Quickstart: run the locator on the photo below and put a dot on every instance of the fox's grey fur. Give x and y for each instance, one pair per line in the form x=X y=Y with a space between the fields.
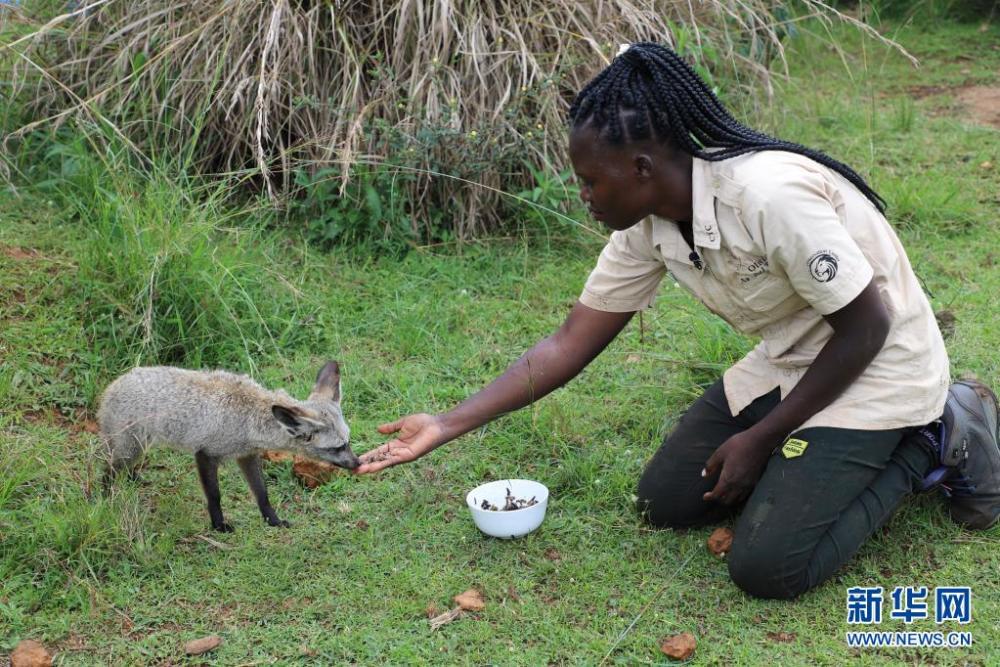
x=217 y=415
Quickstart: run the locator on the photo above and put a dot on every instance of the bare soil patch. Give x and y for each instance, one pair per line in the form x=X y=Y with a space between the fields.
x=19 y=253
x=982 y=103
x=922 y=92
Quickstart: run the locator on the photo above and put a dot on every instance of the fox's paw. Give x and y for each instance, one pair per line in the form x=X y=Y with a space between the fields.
x=278 y=523
x=224 y=527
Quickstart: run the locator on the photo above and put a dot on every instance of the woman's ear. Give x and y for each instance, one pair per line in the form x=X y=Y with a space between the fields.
x=643 y=164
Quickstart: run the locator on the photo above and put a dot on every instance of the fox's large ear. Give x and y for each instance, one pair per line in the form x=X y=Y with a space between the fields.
x=327 y=386
x=294 y=420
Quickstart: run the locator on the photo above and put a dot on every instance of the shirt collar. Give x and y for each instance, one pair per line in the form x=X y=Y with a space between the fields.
x=705 y=184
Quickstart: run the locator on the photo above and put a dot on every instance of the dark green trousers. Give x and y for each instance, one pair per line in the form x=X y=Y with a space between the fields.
x=807 y=515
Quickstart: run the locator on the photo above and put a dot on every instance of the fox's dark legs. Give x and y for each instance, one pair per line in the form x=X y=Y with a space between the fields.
x=208 y=472
x=115 y=468
x=250 y=465
x=123 y=454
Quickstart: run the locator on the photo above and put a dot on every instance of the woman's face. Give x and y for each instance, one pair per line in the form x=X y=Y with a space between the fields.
x=621 y=185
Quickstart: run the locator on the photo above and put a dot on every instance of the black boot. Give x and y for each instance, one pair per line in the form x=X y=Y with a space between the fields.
x=971 y=453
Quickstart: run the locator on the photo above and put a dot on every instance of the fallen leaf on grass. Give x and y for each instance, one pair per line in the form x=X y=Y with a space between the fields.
x=30 y=653
x=781 y=636
x=273 y=456
x=361 y=524
x=445 y=618
x=986 y=165
x=313 y=473
x=720 y=541
x=679 y=647
x=215 y=543
x=470 y=600
x=203 y=645
x=552 y=554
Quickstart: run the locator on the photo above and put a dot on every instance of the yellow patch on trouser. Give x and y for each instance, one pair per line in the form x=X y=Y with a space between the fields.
x=794 y=447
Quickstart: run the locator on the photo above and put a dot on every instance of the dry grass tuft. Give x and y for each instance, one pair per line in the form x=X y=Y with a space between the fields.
x=472 y=91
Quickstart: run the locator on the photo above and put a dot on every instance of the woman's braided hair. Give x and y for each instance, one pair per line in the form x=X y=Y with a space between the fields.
x=648 y=91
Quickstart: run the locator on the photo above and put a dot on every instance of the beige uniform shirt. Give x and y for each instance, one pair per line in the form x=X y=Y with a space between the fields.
x=780 y=241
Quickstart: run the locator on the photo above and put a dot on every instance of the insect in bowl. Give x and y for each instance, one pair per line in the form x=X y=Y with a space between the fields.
x=530 y=499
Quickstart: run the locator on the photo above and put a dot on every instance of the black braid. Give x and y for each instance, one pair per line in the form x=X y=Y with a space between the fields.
x=648 y=91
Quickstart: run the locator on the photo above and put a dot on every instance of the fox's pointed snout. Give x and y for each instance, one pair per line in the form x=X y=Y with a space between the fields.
x=342 y=457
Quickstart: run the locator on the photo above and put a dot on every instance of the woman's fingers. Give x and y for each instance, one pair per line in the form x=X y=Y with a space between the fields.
x=408 y=445
x=382 y=457
x=719 y=492
x=391 y=427
x=366 y=468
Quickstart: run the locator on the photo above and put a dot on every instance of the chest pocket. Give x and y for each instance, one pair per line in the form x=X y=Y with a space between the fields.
x=767 y=292
x=750 y=279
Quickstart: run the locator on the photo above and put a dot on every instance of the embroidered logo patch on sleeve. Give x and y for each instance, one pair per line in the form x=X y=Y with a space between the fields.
x=793 y=447
x=823 y=266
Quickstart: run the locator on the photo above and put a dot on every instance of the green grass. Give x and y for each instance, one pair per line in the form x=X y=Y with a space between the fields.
x=128 y=580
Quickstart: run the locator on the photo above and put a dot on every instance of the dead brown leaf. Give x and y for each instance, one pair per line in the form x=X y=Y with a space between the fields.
x=445 y=618
x=470 y=600
x=313 y=473
x=203 y=645
x=679 y=647
x=432 y=610
x=720 y=542
x=215 y=543
x=552 y=554
x=274 y=456
x=781 y=636
x=361 y=524
x=30 y=653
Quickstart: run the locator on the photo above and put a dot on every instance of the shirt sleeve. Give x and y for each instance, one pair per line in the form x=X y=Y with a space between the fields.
x=627 y=274
x=795 y=215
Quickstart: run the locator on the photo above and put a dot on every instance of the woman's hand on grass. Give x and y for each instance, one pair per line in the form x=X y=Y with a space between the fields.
x=417 y=434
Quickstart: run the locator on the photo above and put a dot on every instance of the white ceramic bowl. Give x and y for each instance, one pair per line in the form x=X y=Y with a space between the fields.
x=512 y=523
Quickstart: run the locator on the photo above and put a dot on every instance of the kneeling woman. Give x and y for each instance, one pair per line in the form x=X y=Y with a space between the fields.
x=844 y=407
